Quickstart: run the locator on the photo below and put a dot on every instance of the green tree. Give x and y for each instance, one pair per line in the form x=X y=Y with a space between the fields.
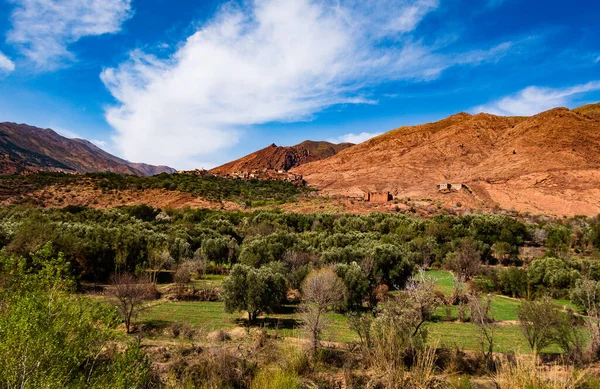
x=513 y=281
x=538 y=320
x=216 y=249
x=358 y=287
x=253 y=290
x=552 y=273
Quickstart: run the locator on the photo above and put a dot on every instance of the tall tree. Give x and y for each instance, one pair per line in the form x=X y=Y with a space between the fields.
x=321 y=290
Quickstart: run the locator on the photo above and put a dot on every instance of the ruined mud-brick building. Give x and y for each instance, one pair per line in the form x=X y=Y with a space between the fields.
x=449 y=187
x=374 y=197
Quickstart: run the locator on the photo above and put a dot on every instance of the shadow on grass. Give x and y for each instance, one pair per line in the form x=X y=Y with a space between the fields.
x=156 y=324
x=270 y=323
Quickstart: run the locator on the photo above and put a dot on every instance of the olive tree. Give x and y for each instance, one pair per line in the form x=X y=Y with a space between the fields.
x=538 y=320
x=586 y=295
x=466 y=261
x=255 y=291
x=158 y=259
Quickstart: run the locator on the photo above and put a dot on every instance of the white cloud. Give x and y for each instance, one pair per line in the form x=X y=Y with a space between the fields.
x=100 y=143
x=267 y=61
x=533 y=100
x=43 y=29
x=6 y=65
x=355 y=138
x=598 y=59
x=66 y=133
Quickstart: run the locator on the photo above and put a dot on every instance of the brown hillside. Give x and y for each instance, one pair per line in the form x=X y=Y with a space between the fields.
x=26 y=148
x=282 y=158
x=547 y=163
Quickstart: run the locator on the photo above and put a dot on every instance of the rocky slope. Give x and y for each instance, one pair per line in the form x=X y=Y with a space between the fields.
x=547 y=163
x=26 y=148
x=282 y=158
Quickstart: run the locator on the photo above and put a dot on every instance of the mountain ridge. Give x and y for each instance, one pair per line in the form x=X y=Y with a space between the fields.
x=546 y=163
x=281 y=158
x=25 y=148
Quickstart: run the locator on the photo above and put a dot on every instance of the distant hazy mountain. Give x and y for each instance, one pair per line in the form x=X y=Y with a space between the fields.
x=26 y=148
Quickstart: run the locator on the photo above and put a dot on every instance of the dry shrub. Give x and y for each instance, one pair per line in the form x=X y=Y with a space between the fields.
x=211 y=370
x=453 y=360
x=525 y=373
x=381 y=293
x=261 y=339
x=423 y=372
x=183 y=330
x=218 y=336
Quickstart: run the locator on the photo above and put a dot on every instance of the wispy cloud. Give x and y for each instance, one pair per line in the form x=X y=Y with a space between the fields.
x=100 y=143
x=264 y=61
x=43 y=29
x=6 y=65
x=598 y=59
x=533 y=100
x=66 y=133
x=355 y=138
x=73 y=135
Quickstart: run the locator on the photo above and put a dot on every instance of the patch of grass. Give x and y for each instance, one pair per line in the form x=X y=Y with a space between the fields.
x=445 y=281
x=209 y=281
x=507 y=338
x=210 y=316
x=288 y=324
x=566 y=303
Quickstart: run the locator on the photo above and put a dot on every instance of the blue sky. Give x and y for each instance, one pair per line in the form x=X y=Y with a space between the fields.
x=198 y=83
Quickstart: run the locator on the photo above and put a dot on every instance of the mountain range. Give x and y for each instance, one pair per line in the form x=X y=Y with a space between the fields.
x=547 y=163
x=25 y=148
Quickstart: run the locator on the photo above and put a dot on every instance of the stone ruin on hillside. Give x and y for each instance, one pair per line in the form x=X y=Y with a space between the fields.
x=449 y=187
x=374 y=197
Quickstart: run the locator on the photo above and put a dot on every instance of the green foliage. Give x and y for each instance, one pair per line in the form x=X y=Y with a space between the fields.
x=253 y=290
x=513 y=281
x=393 y=265
x=358 y=287
x=553 y=273
x=539 y=320
x=209 y=187
x=50 y=338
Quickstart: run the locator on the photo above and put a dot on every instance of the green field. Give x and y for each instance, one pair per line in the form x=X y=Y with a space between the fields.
x=211 y=316
x=208 y=316
x=445 y=281
x=503 y=309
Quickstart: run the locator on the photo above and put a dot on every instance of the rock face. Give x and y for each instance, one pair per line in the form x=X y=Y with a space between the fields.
x=548 y=163
x=281 y=158
x=25 y=148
